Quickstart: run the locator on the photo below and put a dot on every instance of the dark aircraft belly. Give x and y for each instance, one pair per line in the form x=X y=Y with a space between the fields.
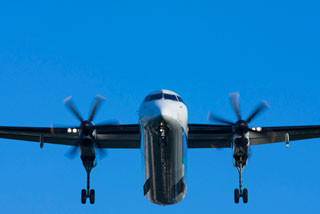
x=164 y=161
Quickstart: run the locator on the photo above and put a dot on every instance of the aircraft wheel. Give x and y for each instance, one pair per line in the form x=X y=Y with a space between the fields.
x=83 y=196
x=245 y=196
x=92 y=196
x=236 y=196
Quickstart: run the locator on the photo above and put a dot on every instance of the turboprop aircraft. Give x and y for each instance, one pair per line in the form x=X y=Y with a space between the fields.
x=165 y=134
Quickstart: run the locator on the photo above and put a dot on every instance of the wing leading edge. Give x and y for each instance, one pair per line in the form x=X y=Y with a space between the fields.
x=216 y=136
x=109 y=136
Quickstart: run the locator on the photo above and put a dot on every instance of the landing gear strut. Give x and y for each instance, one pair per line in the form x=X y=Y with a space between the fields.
x=240 y=192
x=88 y=193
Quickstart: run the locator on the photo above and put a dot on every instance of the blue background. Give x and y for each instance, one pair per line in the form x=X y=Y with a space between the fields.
x=203 y=50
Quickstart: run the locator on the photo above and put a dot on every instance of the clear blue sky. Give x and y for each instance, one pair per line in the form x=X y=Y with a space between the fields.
x=203 y=50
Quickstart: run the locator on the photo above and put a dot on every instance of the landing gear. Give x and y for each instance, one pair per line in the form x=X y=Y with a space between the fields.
x=245 y=196
x=88 y=163
x=236 y=196
x=92 y=196
x=83 y=196
x=88 y=193
x=238 y=193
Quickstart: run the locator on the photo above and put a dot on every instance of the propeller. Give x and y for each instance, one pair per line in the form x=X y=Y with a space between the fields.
x=234 y=97
x=87 y=127
x=241 y=126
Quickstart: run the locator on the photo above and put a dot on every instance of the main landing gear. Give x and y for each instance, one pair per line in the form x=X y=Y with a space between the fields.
x=240 y=192
x=88 y=193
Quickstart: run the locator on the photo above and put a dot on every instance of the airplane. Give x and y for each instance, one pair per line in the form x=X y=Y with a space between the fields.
x=165 y=135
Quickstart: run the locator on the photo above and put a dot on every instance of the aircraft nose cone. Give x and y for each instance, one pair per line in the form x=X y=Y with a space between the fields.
x=164 y=110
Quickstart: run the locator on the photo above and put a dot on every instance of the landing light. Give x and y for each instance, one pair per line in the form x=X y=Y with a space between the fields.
x=258 y=129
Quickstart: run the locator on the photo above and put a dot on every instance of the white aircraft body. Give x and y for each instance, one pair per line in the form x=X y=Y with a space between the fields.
x=164 y=126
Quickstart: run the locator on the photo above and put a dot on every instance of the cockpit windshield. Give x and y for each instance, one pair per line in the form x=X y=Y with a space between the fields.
x=170 y=97
x=180 y=99
x=154 y=97
x=163 y=95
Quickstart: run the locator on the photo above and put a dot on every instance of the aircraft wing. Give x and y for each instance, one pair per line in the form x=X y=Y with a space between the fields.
x=209 y=136
x=109 y=136
x=278 y=134
x=216 y=136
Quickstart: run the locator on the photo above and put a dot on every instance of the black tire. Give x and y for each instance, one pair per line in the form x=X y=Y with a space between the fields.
x=236 y=196
x=245 y=196
x=83 y=196
x=92 y=196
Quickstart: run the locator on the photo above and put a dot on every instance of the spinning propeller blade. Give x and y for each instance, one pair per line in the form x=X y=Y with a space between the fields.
x=234 y=98
x=257 y=111
x=102 y=153
x=214 y=118
x=72 y=108
x=72 y=153
x=96 y=105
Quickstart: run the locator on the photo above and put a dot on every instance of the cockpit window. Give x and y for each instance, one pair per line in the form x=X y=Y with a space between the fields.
x=180 y=99
x=170 y=97
x=165 y=96
x=154 y=97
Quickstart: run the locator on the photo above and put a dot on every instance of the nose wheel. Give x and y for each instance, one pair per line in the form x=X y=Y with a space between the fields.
x=88 y=193
x=240 y=193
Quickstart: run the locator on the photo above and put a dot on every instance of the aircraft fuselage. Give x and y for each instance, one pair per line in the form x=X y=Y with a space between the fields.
x=164 y=127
